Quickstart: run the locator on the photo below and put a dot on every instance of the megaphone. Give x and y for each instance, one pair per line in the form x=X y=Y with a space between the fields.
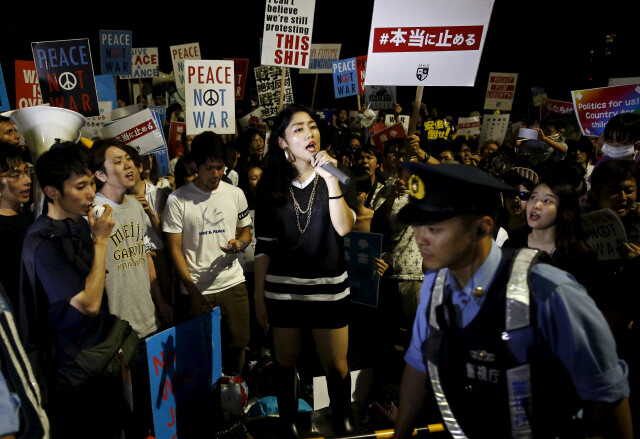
x=41 y=127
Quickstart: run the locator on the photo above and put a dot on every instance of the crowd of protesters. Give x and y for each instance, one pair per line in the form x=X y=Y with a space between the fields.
x=175 y=272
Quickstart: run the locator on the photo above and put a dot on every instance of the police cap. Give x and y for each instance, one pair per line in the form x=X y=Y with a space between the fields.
x=440 y=192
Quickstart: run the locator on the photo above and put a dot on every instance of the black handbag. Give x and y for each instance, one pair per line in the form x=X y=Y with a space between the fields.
x=102 y=359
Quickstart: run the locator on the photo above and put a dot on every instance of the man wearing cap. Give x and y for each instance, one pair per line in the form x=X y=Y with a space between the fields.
x=498 y=363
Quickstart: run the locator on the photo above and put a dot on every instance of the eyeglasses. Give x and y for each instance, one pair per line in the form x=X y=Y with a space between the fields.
x=523 y=195
x=18 y=174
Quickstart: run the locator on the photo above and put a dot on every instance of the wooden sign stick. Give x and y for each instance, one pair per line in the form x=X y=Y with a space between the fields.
x=413 y=122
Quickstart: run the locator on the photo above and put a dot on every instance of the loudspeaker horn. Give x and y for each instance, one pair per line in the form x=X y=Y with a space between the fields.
x=42 y=127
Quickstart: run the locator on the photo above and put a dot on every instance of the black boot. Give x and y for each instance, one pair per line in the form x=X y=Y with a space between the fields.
x=287 y=395
x=340 y=402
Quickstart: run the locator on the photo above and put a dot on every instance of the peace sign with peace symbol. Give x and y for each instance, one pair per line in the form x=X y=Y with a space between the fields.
x=68 y=81
x=210 y=97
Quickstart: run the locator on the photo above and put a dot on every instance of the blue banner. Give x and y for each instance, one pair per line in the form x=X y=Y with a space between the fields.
x=345 y=77
x=115 y=52
x=184 y=364
x=360 y=251
x=4 y=99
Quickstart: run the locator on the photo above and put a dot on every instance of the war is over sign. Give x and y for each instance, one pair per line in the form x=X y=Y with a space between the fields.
x=210 y=99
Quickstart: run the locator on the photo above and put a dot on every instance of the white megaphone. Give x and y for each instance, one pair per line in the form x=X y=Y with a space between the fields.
x=41 y=127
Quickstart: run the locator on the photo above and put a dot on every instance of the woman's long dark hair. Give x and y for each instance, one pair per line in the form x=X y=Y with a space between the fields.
x=570 y=236
x=278 y=172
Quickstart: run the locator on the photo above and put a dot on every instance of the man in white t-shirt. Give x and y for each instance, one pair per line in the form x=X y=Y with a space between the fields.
x=207 y=225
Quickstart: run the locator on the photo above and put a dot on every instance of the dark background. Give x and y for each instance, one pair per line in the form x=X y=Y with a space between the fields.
x=557 y=45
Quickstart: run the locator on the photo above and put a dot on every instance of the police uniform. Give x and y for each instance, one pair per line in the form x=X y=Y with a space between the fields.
x=505 y=357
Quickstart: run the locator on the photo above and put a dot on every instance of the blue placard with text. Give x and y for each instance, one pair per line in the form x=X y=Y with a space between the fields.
x=184 y=364
x=115 y=52
x=345 y=77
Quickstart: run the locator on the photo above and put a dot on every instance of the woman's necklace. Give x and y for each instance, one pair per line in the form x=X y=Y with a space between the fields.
x=299 y=210
x=530 y=245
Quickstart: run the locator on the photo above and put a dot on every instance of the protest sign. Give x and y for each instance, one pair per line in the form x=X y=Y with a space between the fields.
x=210 y=96
x=361 y=65
x=115 y=52
x=468 y=126
x=65 y=72
x=594 y=107
x=27 y=85
x=390 y=119
x=144 y=63
x=624 y=81
x=360 y=251
x=380 y=97
x=184 y=364
x=251 y=120
x=240 y=68
x=286 y=40
x=552 y=106
x=436 y=129
x=268 y=81
x=604 y=232
x=500 y=91
x=92 y=129
x=392 y=132
x=427 y=42
x=4 y=99
x=179 y=54
x=139 y=130
x=494 y=127
x=345 y=78
x=174 y=142
x=320 y=58
x=106 y=90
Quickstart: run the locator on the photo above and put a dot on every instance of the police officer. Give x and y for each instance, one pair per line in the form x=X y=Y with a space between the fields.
x=508 y=346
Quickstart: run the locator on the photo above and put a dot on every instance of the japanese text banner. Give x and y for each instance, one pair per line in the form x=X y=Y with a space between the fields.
x=427 y=42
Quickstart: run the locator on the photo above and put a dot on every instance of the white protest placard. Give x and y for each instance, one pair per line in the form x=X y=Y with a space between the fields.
x=286 y=40
x=251 y=119
x=500 y=91
x=390 y=120
x=139 y=130
x=468 y=126
x=178 y=55
x=210 y=98
x=92 y=129
x=494 y=127
x=144 y=63
x=268 y=81
x=321 y=57
x=604 y=231
x=427 y=42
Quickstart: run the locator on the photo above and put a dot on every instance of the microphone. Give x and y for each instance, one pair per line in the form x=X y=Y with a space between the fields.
x=337 y=173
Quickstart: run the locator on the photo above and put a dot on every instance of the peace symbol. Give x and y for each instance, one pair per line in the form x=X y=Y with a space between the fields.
x=346 y=77
x=67 y=81
x=210 y=97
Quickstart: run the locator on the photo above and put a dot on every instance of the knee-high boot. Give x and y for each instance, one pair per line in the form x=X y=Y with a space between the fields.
x=287 y=395
x=340 y=402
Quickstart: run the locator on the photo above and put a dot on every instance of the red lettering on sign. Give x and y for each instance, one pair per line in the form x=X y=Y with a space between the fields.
x=427 y=39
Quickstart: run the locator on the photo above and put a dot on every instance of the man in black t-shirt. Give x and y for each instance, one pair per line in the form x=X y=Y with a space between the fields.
x=64 y=260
